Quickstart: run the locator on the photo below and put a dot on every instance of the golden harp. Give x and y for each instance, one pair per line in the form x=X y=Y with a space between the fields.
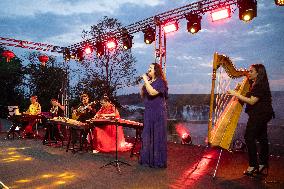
x=226 y=114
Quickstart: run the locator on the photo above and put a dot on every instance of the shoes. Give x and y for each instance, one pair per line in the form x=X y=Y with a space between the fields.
x=263 y=169
x=251 y=171
x=95 y=151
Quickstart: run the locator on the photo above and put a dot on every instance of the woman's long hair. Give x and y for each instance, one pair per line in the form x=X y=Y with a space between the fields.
x=158 y=71
x=261 y=79
x=261 y=73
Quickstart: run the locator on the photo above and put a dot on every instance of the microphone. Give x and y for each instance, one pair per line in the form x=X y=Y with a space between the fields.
x=140 y=78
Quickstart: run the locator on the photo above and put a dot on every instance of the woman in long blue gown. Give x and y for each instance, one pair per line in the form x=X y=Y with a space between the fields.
x=154 y=136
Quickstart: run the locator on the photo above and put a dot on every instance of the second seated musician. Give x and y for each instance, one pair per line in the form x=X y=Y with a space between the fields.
x=154 y=136
x=57 y=110
x=34 y=109
x=105 y=137
x=84 y=112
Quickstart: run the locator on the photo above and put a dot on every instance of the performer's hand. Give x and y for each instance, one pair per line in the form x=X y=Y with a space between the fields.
x=232 y=92
x=145 y=77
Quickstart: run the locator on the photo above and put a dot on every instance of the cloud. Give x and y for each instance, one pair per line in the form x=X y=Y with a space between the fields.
x=261 y=29
x=63 y=7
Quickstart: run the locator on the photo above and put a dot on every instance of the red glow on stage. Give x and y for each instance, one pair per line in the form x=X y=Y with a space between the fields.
x=195 y=172
x=221 y=14
x=170 y=27
x=181 y=130
x=111 y=44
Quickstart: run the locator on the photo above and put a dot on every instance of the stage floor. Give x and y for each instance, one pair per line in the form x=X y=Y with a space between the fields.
x=27 y=163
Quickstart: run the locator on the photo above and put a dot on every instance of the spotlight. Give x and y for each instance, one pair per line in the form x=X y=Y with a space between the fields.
x=247 y=9
x=100 y=49
x=127 y=41
x=149 y=35
x=111 y=44
x=66 y=54
x=221 y=14
x=170 y=27
x=88 y=49
x=79 y=55
x=194 y=23
x=186 y=139
x=279 y=2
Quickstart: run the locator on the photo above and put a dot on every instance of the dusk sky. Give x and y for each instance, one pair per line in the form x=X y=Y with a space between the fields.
x=189 y=57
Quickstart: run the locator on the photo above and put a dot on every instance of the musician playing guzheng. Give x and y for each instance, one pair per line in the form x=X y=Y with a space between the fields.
x=104 y=139
x=54 y=131
x=259 y=109
x=34 y=109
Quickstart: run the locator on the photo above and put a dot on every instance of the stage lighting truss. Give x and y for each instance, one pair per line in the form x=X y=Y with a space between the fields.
x=126 y=41
x=193 y=22
x=279 y=2
x=170 y=27
x=100 y=48
x=149 y=35
x=247 y=9
x=221 y=14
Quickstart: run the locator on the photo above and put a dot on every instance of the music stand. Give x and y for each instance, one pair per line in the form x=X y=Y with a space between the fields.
x=116 y=161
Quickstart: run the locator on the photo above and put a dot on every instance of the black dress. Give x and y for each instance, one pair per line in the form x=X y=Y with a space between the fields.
x=259 y=115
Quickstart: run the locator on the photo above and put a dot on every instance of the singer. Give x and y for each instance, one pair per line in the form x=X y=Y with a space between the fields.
x=154 y=136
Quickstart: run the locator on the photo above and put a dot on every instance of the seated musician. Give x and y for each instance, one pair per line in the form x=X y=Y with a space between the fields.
x=34 y=109
x=57 y=110
x=104 y=138
x=84 y=112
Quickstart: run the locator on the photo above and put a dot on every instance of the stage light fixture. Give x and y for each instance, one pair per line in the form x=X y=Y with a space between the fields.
x=79 y=55
x=170 y=27
x=111 y=44
x=279 y=2
x=247 y=9
x=100 y=49
x=88 y=49
x=127 y=41
x=66 y=54
x=221 y=14
x=194 y=23
x=149 y=35
x=186 y=139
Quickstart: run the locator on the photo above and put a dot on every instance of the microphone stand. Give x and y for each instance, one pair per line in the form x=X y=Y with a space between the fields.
x=116 y=162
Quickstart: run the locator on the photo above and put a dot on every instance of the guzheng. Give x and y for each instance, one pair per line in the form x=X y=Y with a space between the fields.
x=24 y=117
x=67 y=122
x=120 y=122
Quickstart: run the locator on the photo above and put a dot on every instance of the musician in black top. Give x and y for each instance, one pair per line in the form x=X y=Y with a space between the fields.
x=260 y=111
x=84 y=112
x=53 y=132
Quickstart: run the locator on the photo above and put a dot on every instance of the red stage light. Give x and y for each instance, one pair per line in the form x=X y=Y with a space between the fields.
x=170 y=27
x=88 y=50
x=111 y=44
x=221 y=14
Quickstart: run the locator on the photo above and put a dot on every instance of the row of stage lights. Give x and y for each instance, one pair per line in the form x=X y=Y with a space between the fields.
x=247 y=11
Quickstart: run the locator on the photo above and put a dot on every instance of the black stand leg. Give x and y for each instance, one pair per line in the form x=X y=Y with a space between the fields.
x=116 y=162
